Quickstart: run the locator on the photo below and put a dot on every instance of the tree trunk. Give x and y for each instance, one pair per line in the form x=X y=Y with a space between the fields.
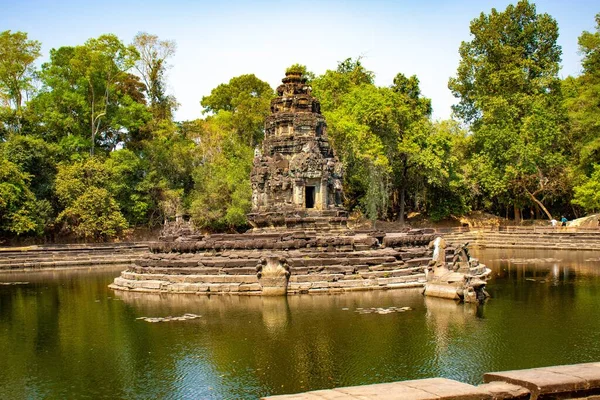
x=403 y=191
x=401 y=216
x=517 y=214
x=539 y=203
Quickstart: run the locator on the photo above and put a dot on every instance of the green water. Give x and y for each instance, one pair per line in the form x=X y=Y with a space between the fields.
x=66 y=335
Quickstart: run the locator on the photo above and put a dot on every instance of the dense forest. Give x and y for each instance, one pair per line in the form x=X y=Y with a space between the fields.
x=89 y=146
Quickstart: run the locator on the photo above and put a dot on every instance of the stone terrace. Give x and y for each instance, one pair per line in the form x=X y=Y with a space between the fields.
x=529 y=238
x=69 y=256
x=228 y=263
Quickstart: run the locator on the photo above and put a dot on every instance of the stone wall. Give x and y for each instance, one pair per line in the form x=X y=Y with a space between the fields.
x=579 y=381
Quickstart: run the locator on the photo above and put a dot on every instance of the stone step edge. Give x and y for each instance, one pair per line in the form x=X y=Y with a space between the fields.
x=59 y=264
x=159 y=286
x=577 y=381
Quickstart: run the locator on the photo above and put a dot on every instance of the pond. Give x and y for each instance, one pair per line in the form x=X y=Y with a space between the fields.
x=64 y=334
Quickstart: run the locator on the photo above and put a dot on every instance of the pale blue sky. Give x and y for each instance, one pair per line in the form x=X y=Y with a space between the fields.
x=219 y=40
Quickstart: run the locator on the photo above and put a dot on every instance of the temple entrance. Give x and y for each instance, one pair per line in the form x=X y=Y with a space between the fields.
x=309 y=197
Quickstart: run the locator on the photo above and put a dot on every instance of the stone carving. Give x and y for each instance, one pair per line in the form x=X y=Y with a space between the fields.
x=273 y=274
x=296 y=178
x=464 y=279
x=439 y=251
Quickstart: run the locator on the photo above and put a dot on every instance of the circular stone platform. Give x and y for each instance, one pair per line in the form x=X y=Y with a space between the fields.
x=279 y=263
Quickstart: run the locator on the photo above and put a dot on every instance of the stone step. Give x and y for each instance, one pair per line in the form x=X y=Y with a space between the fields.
x=88 y=257
x=66 y=263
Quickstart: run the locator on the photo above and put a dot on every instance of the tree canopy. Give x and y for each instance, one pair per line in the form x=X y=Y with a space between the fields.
x=509 y=93
x=89 y=145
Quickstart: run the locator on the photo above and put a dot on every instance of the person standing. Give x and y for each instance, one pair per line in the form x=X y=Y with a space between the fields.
x=563 y=221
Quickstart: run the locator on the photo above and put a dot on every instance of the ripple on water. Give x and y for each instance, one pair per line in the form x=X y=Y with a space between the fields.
x=56 y=341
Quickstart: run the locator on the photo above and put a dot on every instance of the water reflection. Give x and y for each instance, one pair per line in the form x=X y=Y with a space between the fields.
x=65 y=334
x=446 y=317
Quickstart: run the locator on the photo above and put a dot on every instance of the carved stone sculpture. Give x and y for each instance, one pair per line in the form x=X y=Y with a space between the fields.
x=464 y=279
x=273 y=274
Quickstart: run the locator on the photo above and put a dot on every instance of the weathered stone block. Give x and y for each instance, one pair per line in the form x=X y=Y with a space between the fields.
x=248 y=287
x=550 y=381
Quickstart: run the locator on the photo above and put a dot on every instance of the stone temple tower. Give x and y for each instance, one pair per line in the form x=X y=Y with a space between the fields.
x=296 y=178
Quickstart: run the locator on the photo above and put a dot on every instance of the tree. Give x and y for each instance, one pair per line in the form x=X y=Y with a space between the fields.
x=152 y=66
x=589 y=45
x=90 y=209
x=248 y=99
x=36 y=158
x=17 y=202
x=442 y=174
x=587 y=194
x=582 y=99
x=126 y=174
x=222 y=192
x=17 y=55
x=88 y=92
x=333 y=84
x=94 y=215
x=378 y=133
x=509 y=93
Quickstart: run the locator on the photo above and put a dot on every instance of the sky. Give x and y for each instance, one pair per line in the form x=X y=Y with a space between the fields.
x=219 y=40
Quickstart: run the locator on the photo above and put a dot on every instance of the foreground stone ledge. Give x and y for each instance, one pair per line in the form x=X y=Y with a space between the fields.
x=559 y=382
x=578 y=381
x=423 y=389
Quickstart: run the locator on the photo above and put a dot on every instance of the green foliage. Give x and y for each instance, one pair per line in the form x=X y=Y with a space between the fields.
x=582 y=101
x=248 y=99
x=169 y=162
x=17 y=55
x=331 y=86
x=90 y=209
x=442 y=165
x=94 y=215
x=587 y=195
x=509 y=91
x=589 y=45
x=87 y=92
x=301 y=69
x=152 y=66
x=17 y=201
x=222 y=195
x=35 y=157
x=127 y=172
x=386 y=141
x=296 y=69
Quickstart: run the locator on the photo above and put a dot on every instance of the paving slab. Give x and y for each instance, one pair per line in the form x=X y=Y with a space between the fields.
x=505 y=390
x=551 y=380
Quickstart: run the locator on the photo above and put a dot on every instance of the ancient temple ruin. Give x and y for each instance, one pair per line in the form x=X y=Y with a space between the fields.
x=300 y=242
x=296 y=178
